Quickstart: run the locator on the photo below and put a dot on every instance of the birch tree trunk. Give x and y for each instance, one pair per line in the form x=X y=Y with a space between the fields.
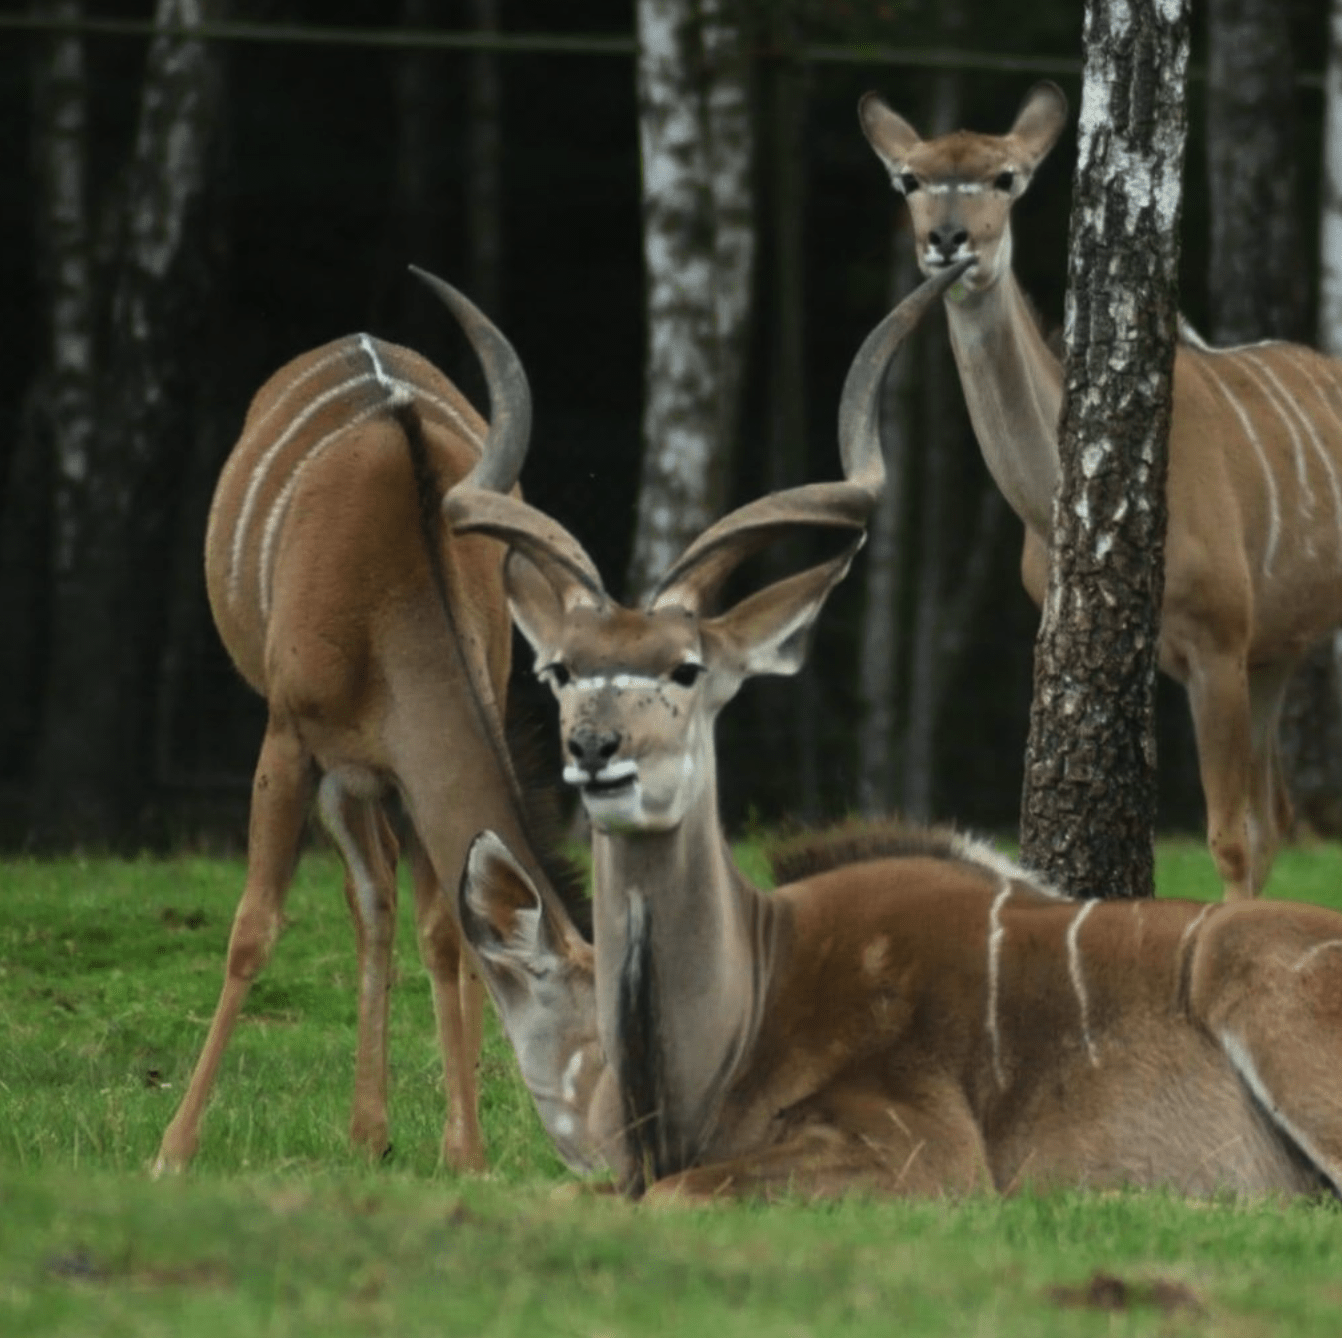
x=120 y=456
x=696 y=147
x=1088 y=810
x=46 y=496
x=1311 y=726
x=1257 y=283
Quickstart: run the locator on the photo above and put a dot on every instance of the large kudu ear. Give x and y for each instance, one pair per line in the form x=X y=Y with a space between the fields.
x=770 y=632
x=502 y=914
x=1040 y=120
x=888 y=133
x=697 y=575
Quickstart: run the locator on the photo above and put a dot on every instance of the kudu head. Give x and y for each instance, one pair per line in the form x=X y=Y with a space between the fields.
x=540 y=973
x=640 y=688
x=960 y=187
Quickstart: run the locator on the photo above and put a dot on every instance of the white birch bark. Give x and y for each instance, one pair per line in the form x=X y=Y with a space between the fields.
x=1330 y=221
x=696 y=148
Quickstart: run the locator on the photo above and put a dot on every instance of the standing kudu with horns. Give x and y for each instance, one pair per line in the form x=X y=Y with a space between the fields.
x=1253 y=553
x=381 y=643
x=913 y=1014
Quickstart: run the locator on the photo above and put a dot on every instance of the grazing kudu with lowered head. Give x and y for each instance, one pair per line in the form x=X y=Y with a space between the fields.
x=1253 y=554
x=382 y=644
x=935 y=1022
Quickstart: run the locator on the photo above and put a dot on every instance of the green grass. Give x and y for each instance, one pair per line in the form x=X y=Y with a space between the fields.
x=108 y=974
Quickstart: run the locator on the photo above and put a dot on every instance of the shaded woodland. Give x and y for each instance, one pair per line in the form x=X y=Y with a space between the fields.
x=322 y=170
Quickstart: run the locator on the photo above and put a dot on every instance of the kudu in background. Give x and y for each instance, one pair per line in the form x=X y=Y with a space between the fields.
x=1253 y=556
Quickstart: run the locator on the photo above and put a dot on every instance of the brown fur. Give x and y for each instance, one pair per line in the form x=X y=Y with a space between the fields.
x=382 y=645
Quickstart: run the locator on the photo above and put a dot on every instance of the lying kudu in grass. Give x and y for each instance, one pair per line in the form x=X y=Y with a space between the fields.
x=938 y=1022
x=381 y=644
x=933 y=1019
x=1253 y=554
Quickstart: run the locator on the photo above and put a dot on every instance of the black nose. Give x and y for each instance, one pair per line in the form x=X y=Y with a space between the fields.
x=592 y=748
x=948 y=240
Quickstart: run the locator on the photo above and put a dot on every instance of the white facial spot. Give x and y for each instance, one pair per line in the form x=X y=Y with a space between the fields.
x=569 y=1084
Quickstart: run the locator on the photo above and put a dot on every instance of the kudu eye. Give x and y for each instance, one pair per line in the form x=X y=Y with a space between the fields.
x=908 y=183
x=1004 y=181
x=557 y=672
x=686 y=675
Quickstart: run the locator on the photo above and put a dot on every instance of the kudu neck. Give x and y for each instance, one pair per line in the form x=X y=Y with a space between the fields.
x=1012 y=383
x=683 y=958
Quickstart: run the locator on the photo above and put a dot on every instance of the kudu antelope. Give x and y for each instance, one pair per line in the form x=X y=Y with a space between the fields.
x=1253 y=557
x=927 y=1018
x=382 y=645
x=937 y=1022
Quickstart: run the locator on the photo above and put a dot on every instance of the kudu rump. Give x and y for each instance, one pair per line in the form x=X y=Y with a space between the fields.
x=928 y=1023
x=381 y=644
x=1253 y=557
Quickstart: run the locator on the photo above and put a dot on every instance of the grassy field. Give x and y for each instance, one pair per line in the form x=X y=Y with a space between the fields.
x=108 y=973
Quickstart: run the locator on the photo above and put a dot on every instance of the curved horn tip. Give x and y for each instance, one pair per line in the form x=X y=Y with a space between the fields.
x=453 y=298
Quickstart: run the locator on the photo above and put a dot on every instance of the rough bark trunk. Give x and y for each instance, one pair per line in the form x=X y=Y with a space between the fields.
x=695 y=141
x=1257 y=283
x=118 y=479
x=1088 y=809
x=1311 y=724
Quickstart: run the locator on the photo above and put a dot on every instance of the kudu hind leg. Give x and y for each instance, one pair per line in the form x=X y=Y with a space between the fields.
x=1269 y=797
x=281 y=790
x=1266 y=981
x=458 y=1003
x=1218 y=696
x=364 y=838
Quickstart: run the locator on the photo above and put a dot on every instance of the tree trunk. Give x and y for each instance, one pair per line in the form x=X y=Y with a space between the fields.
x=45 y=497
x=695 y=139
x=1311 y=724
x=119 y=461
x=1088 y=810
x=878 y=663
x=1257 y=283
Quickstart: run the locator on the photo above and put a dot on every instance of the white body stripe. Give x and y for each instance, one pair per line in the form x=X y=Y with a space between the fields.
x=280 y=507
x=1314 y=952
x=263 y=466
x=1079 y=979
x=1269 y=480
x=1273 y=395
x=1191 y=927
x=396 y=392
x=996 y=933
x=1239 y=1056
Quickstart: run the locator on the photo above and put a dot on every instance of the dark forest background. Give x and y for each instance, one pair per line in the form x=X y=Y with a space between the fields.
x=310 y=223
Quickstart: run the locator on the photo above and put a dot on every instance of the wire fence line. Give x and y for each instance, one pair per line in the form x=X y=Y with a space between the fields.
x=561 y=44
x=581 y=44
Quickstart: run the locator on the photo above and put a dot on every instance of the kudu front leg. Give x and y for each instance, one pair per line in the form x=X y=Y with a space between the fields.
x=458 y=1003
x=363 y=836
x=281 y=791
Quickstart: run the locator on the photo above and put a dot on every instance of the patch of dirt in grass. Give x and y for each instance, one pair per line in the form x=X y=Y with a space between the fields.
x=1105 y=1291
x=81 y=1266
